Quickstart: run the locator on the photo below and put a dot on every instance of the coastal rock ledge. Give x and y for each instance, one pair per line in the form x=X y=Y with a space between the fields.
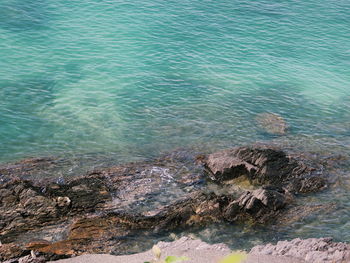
x=98 y=211
x=313 y=250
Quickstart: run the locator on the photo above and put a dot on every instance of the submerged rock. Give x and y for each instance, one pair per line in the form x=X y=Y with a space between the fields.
x=272 y=123
x=26 y=167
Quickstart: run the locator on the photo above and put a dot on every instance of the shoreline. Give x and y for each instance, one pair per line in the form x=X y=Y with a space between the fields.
x=89 y=214
x=312 y=250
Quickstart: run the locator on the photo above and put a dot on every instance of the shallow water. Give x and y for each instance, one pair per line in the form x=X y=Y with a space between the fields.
x=123 y=80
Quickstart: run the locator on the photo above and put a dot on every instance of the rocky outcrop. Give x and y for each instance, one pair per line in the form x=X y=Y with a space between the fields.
x=11 y=250
x=265 y=166
x=27 y=166
x=296 y=251
x=95 y=213
x=260 y=205
x=313 y=250
x=25 y=207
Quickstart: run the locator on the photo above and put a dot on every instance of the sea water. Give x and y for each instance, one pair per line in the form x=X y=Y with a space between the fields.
x=128 y=80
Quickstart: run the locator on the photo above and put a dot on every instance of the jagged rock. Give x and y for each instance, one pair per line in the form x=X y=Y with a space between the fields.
x=103 y=207
x=272 y=123
x=313 y=250
x=24 y=168
x=264 y=166
x=101 y=233
x=31 y=259
x=10 y=251
x=24 y=206
x=261 y=205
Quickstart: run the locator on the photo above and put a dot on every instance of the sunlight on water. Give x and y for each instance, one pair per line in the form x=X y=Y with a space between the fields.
x=122 y=80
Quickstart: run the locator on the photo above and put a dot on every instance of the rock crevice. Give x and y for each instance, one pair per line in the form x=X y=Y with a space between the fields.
x=101 y=209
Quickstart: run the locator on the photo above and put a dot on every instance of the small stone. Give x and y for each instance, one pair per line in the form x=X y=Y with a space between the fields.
x=63 y=201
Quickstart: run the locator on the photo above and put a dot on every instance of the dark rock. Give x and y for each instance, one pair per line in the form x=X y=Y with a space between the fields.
x=24 y=207
x=264 y=166
x=100 y=233
x=104 y=207
x=26 y=167
x=10 y=251
x=261 y=205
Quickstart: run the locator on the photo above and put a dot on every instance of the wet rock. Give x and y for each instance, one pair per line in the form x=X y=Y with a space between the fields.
x=25 y=207
x=264 y=166
x=147 y=186
x=272 y=123
x=10 y=251
x=102 y=233
x=26 y=167
x=22 y=208
x=32 y=206
x=271 y=199
x=36 y=244
x=313 y=250
x=106 y=206
x=297 y=213
x=261 y=205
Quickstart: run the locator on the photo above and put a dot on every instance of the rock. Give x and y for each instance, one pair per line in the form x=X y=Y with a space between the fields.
x=225 y=166
x=264 y=166
x=261 y=205
x=26 y=167
x=272 y=123
x=98 y=211
x=297 y=213
x=32 y=259
x=101 y=233
x=313 y=250
x=63 y=201
x=196 y=250
x=36 y=244
x=24 y=206
x=10 y=251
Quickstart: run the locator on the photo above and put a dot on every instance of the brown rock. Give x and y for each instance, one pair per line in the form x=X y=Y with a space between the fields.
x=264 y=166
x=96 y=212
x=34 y=245
x=11 y=250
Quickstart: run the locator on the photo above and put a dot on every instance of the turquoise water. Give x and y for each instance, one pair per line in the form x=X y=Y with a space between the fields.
x=131 y=79
x=136 y=78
